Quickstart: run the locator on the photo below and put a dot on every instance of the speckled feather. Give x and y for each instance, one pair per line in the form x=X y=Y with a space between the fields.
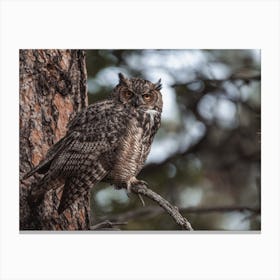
x=109 y=141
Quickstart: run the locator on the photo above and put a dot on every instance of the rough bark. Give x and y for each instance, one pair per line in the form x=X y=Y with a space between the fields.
x=52 y=91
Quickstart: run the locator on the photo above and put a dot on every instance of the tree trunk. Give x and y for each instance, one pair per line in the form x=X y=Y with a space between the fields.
x=52 y=91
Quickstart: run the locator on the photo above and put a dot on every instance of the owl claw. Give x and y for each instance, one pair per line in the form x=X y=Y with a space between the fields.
x=131 y=182
x=135 y=181
x=141 y=182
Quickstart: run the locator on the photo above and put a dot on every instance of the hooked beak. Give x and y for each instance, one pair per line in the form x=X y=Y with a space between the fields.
x=135 y=101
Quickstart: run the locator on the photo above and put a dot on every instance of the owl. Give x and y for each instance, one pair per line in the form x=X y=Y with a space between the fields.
x=108 y=141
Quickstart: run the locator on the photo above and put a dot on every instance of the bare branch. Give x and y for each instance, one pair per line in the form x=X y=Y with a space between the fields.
x=105 y=225
x=170 y=209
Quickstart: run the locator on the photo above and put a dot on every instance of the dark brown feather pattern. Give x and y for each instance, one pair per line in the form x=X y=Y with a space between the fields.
x=109 y=141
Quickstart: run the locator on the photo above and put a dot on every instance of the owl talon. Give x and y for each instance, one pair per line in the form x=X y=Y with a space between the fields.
x=141 y=199
x=128 y=189
x=141 y=182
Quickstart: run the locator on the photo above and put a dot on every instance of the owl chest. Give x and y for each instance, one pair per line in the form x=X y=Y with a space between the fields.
x=132 y=151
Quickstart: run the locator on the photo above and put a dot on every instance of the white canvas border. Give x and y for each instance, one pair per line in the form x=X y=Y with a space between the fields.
x=154 y=24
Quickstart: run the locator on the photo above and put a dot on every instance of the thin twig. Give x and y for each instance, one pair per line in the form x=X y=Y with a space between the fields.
x=198 y=210
x=170 y=209
x=107 y=225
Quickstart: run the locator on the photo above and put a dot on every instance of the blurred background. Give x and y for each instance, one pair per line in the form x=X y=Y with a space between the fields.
x=205 y=158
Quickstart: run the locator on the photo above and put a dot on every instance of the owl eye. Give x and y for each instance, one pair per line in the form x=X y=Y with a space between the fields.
x=128 y=94
x=147 y=97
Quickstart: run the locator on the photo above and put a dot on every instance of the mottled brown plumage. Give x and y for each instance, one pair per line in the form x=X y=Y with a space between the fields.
x=109 y=141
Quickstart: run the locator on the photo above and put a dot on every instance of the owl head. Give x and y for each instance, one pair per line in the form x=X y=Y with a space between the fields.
x=139 y=93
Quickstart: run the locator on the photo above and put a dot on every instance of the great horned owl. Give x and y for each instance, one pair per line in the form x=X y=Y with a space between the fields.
x=108 y=141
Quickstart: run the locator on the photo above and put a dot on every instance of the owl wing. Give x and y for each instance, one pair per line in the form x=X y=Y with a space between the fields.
x=93 y=133
x=79 y=166
x=63 y=143
x=85 y=161
x=97 y=132
x=81 y=157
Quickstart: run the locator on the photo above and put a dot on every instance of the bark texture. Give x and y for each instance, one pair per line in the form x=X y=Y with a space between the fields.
x=52 y=91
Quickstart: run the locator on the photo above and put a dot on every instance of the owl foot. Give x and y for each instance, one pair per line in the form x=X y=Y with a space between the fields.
x=141 y=182
x=134 y=181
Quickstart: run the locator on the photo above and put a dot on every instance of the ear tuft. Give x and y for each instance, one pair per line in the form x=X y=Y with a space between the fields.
x=122 y=79
x=158 y=85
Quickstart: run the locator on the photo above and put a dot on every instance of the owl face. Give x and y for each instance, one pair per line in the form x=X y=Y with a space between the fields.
x=139 y=93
